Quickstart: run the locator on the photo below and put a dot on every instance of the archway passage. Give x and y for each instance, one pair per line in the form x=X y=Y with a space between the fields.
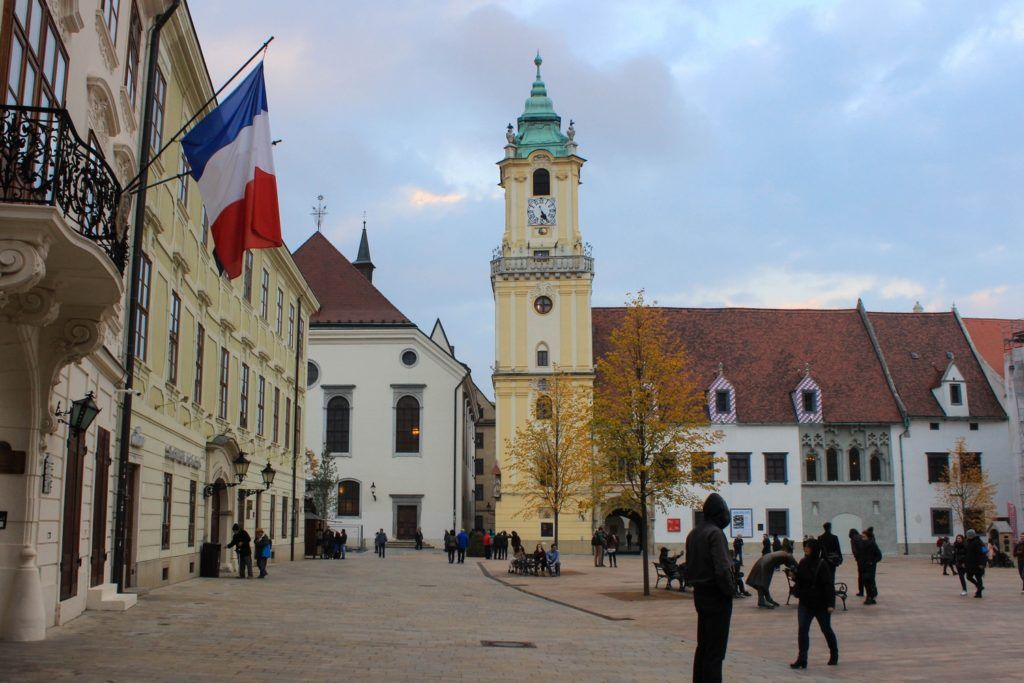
x=841 y=525
x=627 y=524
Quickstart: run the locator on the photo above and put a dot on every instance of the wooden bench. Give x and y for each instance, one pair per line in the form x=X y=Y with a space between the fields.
x=668 y=580
x=842 y=590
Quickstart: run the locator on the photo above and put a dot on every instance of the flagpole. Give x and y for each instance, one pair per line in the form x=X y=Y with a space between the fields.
x=130 y=187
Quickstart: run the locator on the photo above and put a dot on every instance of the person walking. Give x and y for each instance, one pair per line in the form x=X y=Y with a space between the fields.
x=766 y=545
x=488 y=542
x=419 y=538
x=449 y=545
x=262 y=543
x=828 y=544
x=814 y=587
x=867 y=562
x=337 y=545
x=946 y=556
x=629 y=541
x=959 y=562
x=763 y=571
x=240 y=541
x=462 y=542
x=709 y=572
x=612 y=549
x=737 y=550
x=1018 y=552
x=855 y=551
x=975 y=559
x=382 y=544
x=343 y=538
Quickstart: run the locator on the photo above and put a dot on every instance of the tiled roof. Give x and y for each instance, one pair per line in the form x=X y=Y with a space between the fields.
x=988 y=335
x=345 y=295
x=764 y=353
x=929 y=337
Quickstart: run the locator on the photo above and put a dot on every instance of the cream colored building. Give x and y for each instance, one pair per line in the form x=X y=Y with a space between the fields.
x=215 y=368
x=541 y=278
x=62 y=256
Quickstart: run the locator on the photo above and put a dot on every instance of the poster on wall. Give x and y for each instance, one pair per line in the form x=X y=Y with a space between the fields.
x=743 y=522
x=673 y=524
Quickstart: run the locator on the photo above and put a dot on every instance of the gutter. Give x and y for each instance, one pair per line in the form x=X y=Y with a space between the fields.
x=455 y=447
x=124 y=444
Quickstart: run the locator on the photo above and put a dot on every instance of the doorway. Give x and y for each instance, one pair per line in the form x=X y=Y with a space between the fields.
x=72 y=528
x=100 y=487
x=215 y=509
x=841 y=525
x=405 y=528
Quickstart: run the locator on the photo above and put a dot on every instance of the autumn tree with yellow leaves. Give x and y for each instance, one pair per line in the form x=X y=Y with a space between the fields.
x=966 y=489
x=551 y=456
x=651 y=429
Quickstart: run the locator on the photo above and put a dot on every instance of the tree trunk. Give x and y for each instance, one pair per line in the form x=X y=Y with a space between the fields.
x=556 y=526
x=644 y=541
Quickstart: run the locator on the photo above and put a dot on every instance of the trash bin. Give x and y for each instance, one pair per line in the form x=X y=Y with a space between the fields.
x=209 y=560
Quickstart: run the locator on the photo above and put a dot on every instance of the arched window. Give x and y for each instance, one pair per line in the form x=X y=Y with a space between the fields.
x=832 y=465
x=348 y=498
x=543 y=408
x=337 y=425
x=407 y=425
x=811 y=466
x=876 y=466
x=541 y=182
x=542 y=355
x=854 y=464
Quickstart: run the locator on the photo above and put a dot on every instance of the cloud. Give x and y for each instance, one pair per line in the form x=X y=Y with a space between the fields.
x=420 y=198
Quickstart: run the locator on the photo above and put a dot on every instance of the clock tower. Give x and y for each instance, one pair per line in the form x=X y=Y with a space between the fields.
x=541 y=277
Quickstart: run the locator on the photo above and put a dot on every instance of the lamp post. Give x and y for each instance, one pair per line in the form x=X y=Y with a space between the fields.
x=82 y=413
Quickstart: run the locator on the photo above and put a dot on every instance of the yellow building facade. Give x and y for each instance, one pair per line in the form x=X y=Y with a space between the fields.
x=541 y=277
x=215 y=371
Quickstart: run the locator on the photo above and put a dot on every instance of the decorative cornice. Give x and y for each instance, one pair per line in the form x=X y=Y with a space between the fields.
x=107 y=48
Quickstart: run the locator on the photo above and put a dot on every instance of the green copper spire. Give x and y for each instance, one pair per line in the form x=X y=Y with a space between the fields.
x=539 y=126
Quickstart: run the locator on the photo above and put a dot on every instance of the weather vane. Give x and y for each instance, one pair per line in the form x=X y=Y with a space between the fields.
x=319 y=211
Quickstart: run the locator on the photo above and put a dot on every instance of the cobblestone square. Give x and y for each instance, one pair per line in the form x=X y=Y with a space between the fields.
x=414 y=617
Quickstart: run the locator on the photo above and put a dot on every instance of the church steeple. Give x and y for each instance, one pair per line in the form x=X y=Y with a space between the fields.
x=363 y=263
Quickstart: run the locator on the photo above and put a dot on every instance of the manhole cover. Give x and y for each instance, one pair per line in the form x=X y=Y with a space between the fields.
x=506 y=643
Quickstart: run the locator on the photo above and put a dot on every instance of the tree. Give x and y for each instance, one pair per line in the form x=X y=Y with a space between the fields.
x=966 y=489
x=322 y=485
x=551 y=456
x=650 y=424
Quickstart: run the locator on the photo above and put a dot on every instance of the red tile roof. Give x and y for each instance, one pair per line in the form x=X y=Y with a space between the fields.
x=988 y=335
x=764 y=353
x=346 y=296
x=930 y=336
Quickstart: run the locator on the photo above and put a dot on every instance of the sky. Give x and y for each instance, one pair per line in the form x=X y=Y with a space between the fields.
x=797 y=153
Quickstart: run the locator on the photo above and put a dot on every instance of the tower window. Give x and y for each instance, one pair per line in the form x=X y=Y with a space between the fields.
x=956 y=396
x=541 y=182
x=542 y=304
x=542 y=356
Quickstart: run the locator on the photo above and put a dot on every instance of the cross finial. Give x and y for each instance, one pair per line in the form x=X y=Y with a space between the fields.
x=538 y=61
x=319 y=211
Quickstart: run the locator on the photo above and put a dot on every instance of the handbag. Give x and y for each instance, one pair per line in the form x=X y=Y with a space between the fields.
x=266 y=550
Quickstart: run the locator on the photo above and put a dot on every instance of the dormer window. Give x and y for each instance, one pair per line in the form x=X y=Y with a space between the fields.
x=956 y=395
x=721 y=401
x=541 y=182
x=810 y=401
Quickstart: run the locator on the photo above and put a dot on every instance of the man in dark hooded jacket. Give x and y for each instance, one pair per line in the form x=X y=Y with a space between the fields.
x=828 y=542
x=709 y=571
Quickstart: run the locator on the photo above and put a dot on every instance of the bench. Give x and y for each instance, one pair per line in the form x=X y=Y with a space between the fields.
x=531 y=566
x=660 y=572
x=842 y=590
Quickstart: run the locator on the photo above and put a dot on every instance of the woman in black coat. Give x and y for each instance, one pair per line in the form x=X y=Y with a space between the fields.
x=855 y=551
x=869 y=555
x=813 y=586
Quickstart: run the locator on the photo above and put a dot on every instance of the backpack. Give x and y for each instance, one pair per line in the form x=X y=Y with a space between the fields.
x=266 y=550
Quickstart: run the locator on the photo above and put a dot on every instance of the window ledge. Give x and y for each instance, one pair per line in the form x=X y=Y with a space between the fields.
x=407 y=455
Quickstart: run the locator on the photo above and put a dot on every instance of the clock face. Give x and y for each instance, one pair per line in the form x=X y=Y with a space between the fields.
x=541 y=210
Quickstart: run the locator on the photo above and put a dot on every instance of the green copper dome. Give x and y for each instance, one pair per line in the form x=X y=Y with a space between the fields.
x=539 y=126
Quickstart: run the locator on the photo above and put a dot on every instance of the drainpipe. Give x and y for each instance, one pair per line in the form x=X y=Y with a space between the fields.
x=296 y=431
x=455 y=450
x=903 y=488
x=120 y=512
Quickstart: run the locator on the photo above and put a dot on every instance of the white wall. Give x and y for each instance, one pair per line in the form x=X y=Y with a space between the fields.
x=369 y=361
x=991 y=440
x=757 y=495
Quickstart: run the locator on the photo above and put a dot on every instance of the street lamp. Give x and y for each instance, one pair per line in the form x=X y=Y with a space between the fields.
x=268 y=473
x=241 y=464
x=373 y=490
x=82 y=413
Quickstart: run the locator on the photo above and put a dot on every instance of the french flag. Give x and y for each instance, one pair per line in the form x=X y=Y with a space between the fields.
x=230 y=155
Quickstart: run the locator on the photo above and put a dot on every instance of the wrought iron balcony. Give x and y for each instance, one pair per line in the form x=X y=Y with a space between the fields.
x=538 y=265
x=44 y=161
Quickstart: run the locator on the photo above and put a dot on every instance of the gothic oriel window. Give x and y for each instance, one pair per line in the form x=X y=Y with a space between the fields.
x=854 y=464
x=541 y=182
x=875 y=466
x=832 y=465
x=407 y=425
x=811 y=466
x=337 y=425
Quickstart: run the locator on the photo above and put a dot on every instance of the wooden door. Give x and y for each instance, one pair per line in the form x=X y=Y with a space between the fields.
x=72 y=527
x=131 y=486
x=406 y=526
x=99 y=507
x=215 y=514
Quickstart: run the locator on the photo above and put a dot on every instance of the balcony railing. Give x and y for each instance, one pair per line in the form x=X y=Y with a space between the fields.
x=44 y=161
x=528 y=265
